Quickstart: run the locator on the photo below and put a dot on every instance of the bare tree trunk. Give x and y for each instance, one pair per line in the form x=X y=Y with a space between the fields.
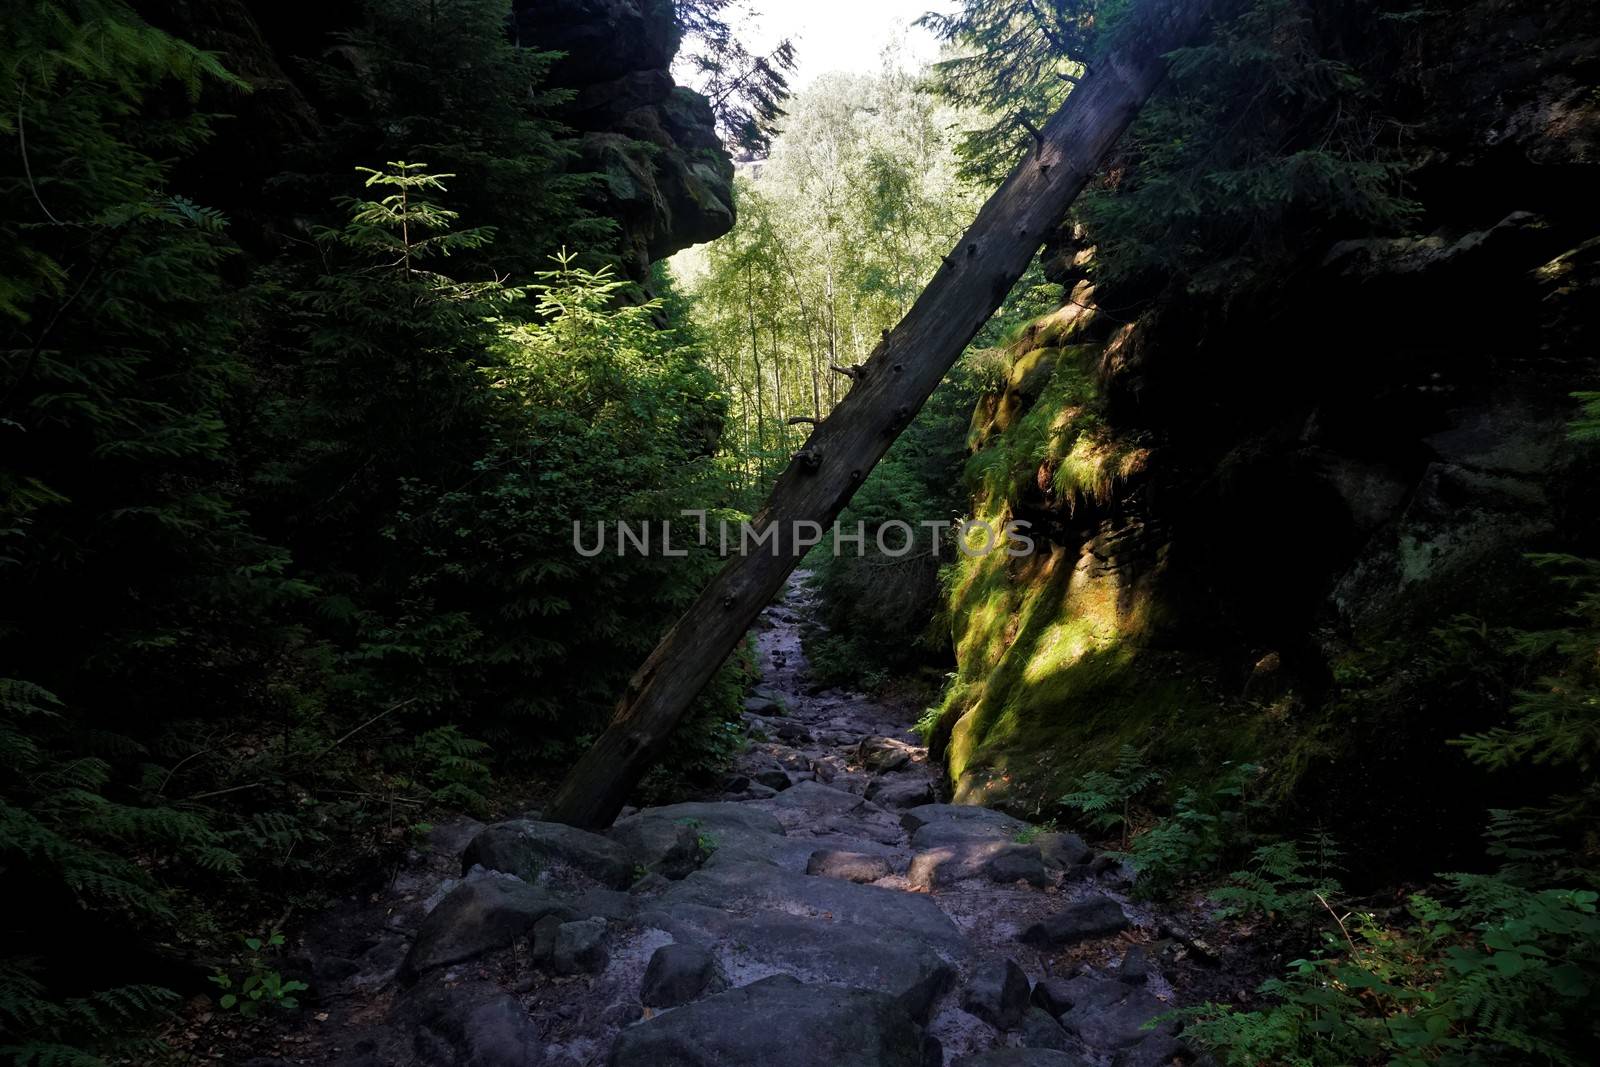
x=755 y=356
x=897 y=380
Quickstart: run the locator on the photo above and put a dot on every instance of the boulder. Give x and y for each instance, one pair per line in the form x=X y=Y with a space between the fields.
x=791 y=731
x=902 y=792
x=1002 y=824
x=850 y=866
x=580 y=947
x=776 y=779
x=1017 y=863
x=944 y=834
x=658 y=837
x=824 y=951
x=1158 y=1050
x=1062 y=851
x=527 y=849
x=486 y=1028
x=778 y=1022
x=1054 y=995
x=998 y=860
x=1111 y=1015
x=1040 y=1030
x=816 y=801
x=479 y=916
x=658 y=846
x=998 y=994
x=678 y=974
x=1094 y=917
x=1135 y=968
x=761 y=886
x=883 y=755
x=543 y=939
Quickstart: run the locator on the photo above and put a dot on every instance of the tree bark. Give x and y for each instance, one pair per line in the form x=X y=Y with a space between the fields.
x=898 y=378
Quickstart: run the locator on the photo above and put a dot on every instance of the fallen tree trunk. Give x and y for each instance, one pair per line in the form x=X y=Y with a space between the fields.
x=887 y=392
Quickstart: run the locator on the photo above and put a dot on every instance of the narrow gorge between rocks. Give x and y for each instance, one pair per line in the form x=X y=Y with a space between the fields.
x=823 y=908
x=750 y=533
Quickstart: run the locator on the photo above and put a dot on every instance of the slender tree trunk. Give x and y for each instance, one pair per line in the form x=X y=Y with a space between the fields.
x=898 y=378
x=833 y=339
x=755 y=357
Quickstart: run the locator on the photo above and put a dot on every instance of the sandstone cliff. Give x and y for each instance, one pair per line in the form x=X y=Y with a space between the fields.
x=1261 y=505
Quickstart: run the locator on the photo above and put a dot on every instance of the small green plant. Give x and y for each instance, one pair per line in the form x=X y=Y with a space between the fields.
x=1030 y=833
x=1501 y=975
x=1105 y=798
x=261 y=986
x=1206 y=825
x=1284 y=881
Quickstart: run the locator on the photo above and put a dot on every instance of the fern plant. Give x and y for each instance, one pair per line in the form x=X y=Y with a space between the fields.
x=1105 y=798
x=1284 y=881
x=1206 y=824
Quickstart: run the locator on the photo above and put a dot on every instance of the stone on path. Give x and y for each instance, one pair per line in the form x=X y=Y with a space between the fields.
x=580 y=947
x=1063 y=851
x=1110 y=1015
x=1053 y=994
x=480 y=916
x=678 y=974
x=669 y=839
x=752 y=884
x=827 y=952
x=883 y=754
x=778 y=1022
x=1022 y=1057
x=775 y=778
x=998 y=860
x=849 y=866
x=1094 y=917
x=997 y=993
x=527 y=848
x=485 y=1027
x=1135 y=968
x=813 y=800
x=1040 y=1030
x=1002 y=824
x=903 y=792
x=659 y=846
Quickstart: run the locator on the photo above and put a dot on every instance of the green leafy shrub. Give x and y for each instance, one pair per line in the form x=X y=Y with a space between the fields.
x=1499 y=974
x=260 y=985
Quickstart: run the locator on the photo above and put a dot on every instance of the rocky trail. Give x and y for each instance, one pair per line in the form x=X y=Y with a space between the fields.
x=824 y=910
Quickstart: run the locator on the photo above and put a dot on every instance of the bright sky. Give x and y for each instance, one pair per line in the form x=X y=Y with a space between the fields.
x=845 y=35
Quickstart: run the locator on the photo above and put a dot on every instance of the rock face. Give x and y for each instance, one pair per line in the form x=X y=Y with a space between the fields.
x=664 y=173
x=778 y=1022
x=1284 y=534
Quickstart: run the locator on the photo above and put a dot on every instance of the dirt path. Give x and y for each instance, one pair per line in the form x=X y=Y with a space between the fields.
x=823 y=910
